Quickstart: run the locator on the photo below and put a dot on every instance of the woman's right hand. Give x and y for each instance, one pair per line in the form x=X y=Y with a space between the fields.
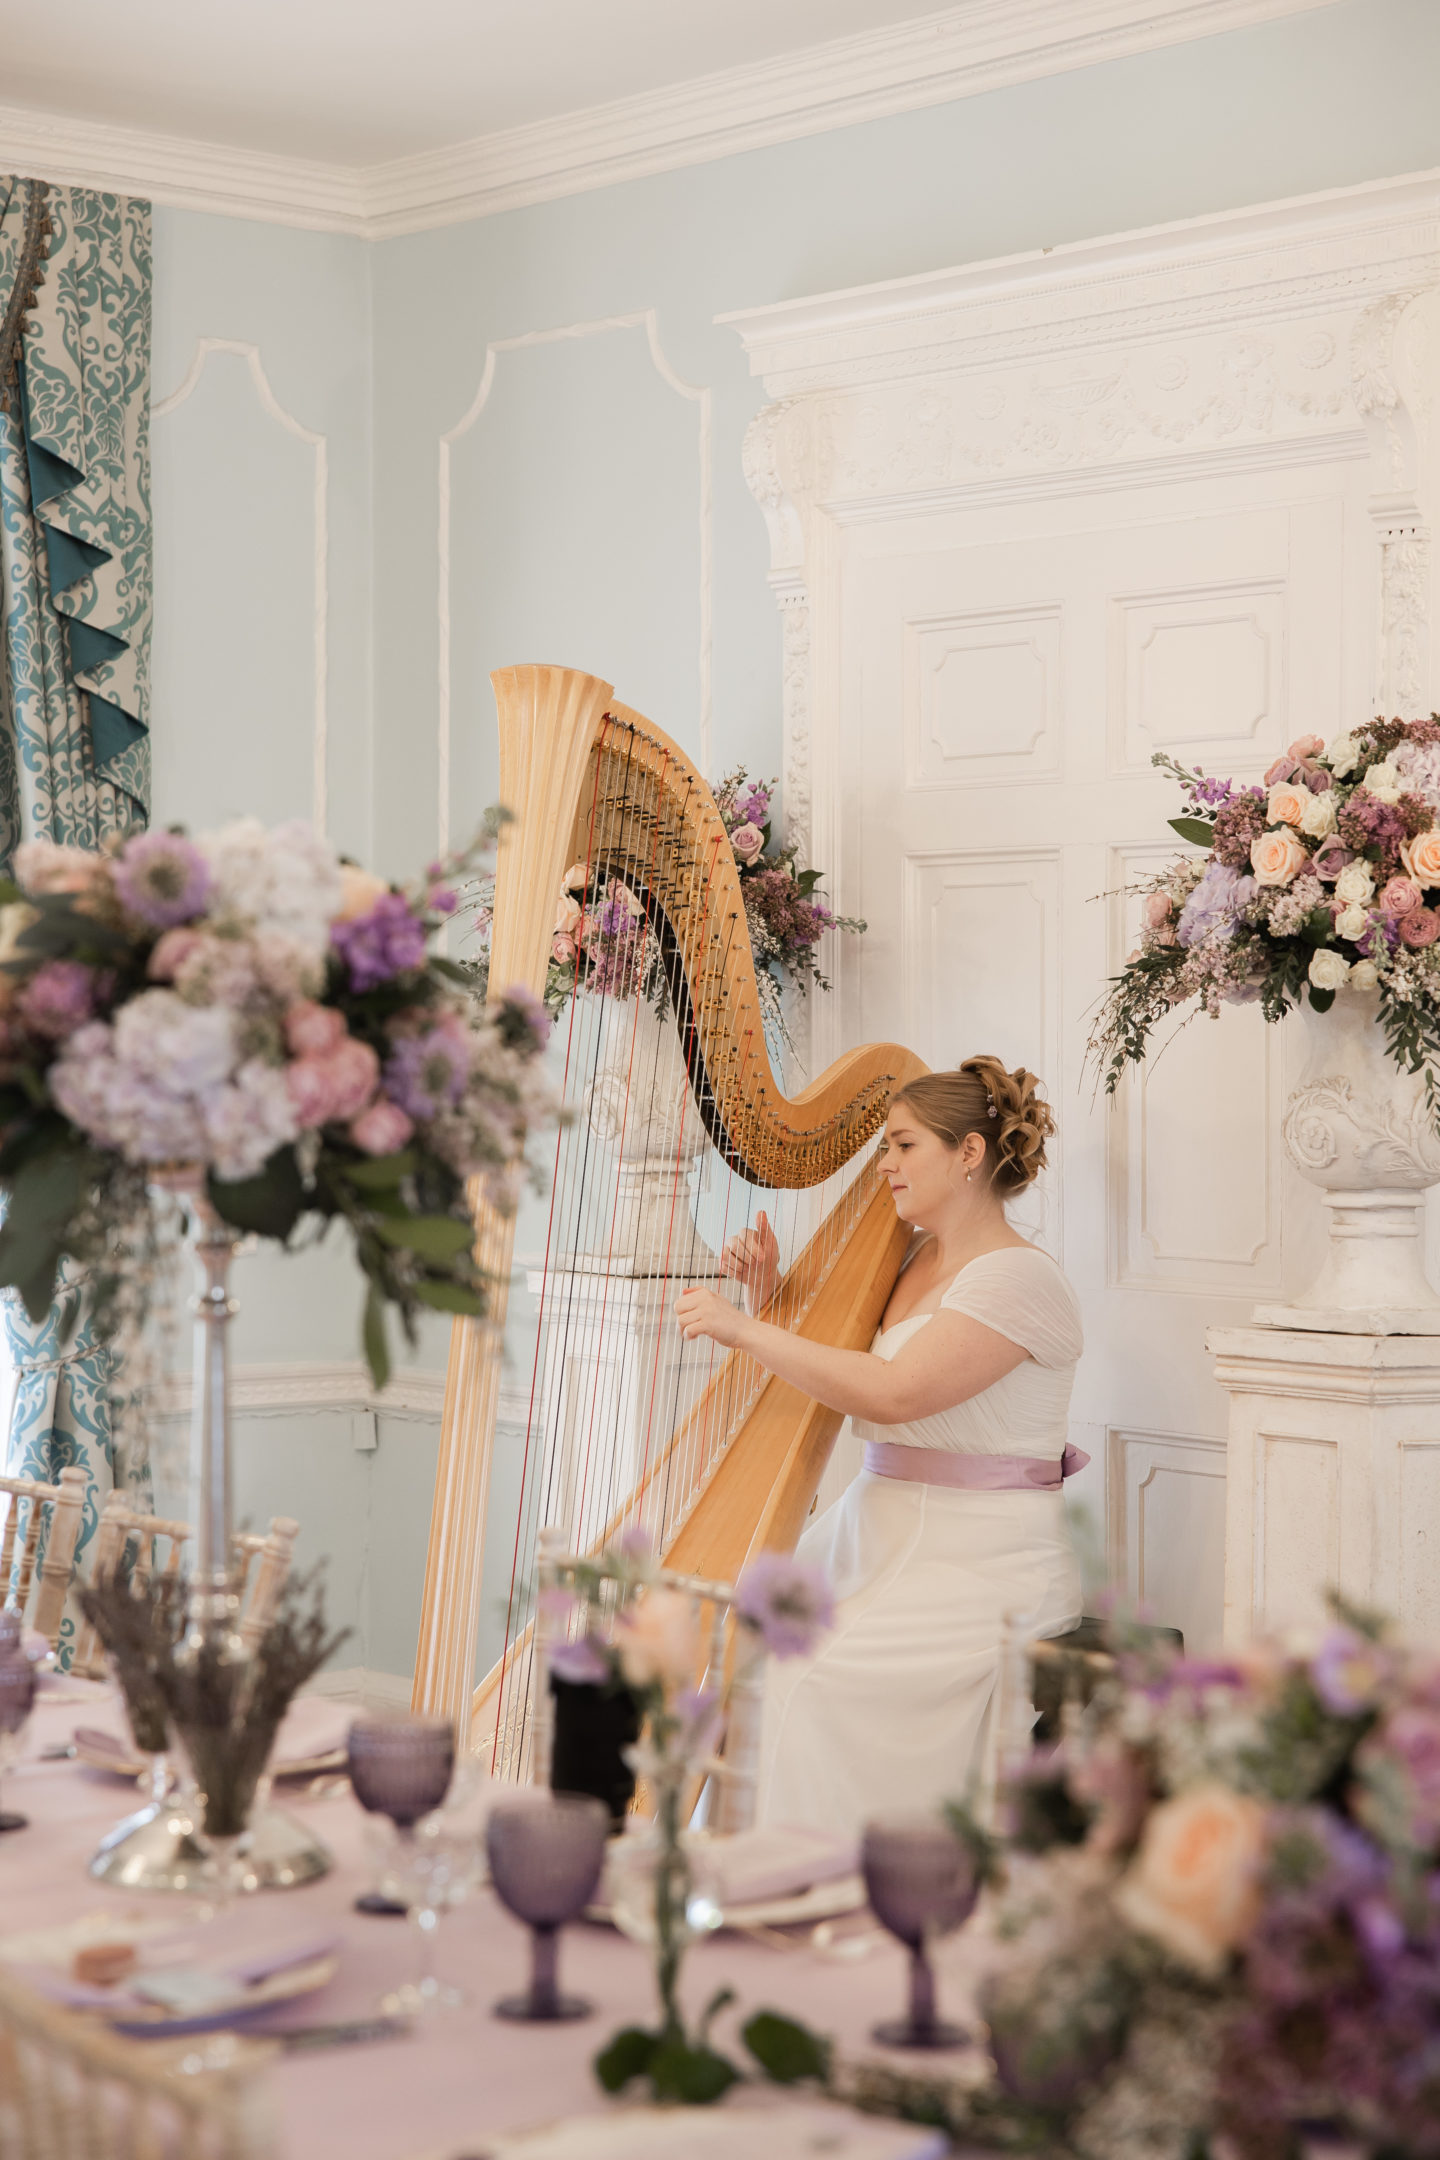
x=752 y=1257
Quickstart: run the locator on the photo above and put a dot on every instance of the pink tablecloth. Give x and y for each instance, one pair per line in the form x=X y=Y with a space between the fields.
x=461 y=2074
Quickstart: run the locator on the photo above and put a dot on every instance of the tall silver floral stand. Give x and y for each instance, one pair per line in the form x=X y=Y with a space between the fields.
x=1333 y=1470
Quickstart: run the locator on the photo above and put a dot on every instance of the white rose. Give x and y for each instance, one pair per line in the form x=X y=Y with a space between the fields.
x=1328 y=971
x=1341 y=755
x=1351 y=922
x=1354 y=883
x=1364 y=975
x=1383 y=782
x=1319 y=818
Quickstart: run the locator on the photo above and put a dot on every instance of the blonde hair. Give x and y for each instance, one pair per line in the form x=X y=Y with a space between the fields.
x=1005 y=1108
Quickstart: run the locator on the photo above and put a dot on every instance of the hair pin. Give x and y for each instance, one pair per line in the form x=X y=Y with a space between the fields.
x=990 y=1110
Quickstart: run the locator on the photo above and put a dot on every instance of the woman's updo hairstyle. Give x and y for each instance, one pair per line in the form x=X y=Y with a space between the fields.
x=1005 y=1108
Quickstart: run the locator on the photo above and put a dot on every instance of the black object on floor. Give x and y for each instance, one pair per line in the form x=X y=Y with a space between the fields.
x=594 y=1724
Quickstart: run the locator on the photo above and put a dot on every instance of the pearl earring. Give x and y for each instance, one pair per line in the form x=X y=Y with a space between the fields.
x=967 y=1177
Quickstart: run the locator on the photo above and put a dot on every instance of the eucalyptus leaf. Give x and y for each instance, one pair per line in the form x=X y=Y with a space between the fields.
x=380 y=1171
x=268 y=1204
x=1194 y=828
x=628 y=2055
x=784 y=2050
x=696 y=2075
x=1321 y=1000
x=434 y=1237
x=377 y=1347
x=450 y=1297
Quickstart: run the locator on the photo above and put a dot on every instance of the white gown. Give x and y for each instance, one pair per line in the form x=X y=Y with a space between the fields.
x=890 y=1715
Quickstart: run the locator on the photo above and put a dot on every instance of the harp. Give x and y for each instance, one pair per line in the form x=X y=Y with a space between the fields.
x=671 y=1086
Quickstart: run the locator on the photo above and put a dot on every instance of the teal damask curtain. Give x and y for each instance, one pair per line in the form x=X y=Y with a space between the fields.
x=75 y=605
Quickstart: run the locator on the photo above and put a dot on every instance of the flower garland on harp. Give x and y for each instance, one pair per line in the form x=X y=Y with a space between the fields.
x=603 y=944
x=1325 y=877
x=250 y=1006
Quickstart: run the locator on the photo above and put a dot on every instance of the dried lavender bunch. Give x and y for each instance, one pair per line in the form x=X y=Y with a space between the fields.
x=227 y=1709
x=139 y=1623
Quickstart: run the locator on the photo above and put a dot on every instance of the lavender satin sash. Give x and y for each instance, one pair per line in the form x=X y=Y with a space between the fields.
x=972 y=1473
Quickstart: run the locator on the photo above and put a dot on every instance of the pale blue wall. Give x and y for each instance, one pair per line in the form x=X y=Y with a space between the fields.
x=574 y=533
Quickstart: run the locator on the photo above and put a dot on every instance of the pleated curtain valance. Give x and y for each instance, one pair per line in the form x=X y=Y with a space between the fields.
x=75 y=607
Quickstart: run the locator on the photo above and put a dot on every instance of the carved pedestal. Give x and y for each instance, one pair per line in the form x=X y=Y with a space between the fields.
x=1333 y=1475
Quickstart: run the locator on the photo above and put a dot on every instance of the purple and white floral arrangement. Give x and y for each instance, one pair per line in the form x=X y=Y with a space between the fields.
x=248 y=1004
x=1326 y=877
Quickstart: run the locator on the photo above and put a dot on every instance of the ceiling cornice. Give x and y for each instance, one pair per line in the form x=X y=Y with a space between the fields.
x=978 y=46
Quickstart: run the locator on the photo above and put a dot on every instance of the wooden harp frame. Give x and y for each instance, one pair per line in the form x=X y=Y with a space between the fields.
x=557 y=726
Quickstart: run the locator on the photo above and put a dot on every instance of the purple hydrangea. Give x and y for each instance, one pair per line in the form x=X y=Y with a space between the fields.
x=787 y=1603
x=1215 y=905
x=162 y=879
x=378 y=946
x=427 y=1073
x=58 y=998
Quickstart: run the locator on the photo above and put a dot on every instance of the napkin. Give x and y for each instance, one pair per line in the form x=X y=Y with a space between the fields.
x=781 y=2130
x=780 y=1861
x=189 y=1973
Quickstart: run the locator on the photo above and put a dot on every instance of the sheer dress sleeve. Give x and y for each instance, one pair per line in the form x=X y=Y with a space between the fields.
x=1022 y=1295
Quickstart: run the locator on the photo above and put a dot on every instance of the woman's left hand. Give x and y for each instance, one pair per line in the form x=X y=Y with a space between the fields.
x=701 y=1312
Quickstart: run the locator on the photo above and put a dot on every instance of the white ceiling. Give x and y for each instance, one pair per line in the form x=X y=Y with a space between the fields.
x=355 y=82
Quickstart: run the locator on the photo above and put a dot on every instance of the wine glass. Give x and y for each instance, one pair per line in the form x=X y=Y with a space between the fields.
x=546 y=1858
x=17 y=1693
x=400 y=1767
x=441 y=1862
x=922 y=1883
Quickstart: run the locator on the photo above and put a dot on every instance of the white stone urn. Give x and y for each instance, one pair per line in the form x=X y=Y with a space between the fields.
x=641 y=1106
x=1361 y=1129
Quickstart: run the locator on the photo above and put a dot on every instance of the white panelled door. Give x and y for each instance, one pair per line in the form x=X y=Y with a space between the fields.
x=1005 y=674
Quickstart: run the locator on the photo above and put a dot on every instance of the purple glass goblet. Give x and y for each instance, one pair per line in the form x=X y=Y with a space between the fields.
x=17 y=1693
x=400 y=1767
x=546 y=1858
x=921 y=1883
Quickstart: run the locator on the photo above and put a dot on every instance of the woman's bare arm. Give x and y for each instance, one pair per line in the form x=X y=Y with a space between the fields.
x=944 y=1363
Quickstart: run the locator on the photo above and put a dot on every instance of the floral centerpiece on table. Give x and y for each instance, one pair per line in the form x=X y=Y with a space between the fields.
x=247 y=1003
x=780 y=1606
x=603 y=943
x=1327 y=875
x=1222 y=1924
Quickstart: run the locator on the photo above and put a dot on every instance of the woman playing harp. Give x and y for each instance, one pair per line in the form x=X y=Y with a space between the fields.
x=956 y=1519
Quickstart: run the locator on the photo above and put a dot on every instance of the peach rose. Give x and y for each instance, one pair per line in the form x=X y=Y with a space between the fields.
x=311 y=1030
x=659 y=1641
x=1194 y=1882
x=1276 y=856
x=382 y=1130
x=567 y=915
x=1400 y=896
x=576 y=878
x=1156 y=911
x=1306 y=746
x=1288 y=804
x=1421 y=856
x=359 y=890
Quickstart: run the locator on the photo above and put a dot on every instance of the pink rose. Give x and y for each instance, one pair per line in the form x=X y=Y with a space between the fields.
x=1400 y=896
x=1276 y=856
x=747 y=841
x=562 y=948
x=1156 y=911
x=1282 y=769
x=171 y=953
x=1420 y=927
x=1306 y=746
x=308 y=1082
x=383 y=1129
x=353 y=1071
x=311 y=1030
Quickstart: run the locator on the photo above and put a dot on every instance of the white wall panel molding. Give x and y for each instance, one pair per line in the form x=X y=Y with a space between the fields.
x=1167 y=1527
x=697 y=394
x=292 y=1390
x=959 y=52
x=205 y=349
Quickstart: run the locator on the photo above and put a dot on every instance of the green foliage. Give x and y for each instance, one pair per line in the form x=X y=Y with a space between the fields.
x=46 y=1184
x=785 y=2051
x=434 y=1237
x=1194 y=829
x=1321 y=1000
x=269 y=1204
x=984 y=1850
x=373 y=1335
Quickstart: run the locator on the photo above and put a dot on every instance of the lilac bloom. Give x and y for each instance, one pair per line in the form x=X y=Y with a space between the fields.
x=1347 y=1672
x=162 y=879
x=378 y=946
x=787 y=1603
x=427 y=1073
x=585 y=1663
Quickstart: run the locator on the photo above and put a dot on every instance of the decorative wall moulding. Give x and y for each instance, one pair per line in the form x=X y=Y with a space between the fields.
x=960 y=52
x=414 y=1392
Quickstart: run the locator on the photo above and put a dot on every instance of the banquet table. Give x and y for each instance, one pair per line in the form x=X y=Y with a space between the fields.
x=459 y=2075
